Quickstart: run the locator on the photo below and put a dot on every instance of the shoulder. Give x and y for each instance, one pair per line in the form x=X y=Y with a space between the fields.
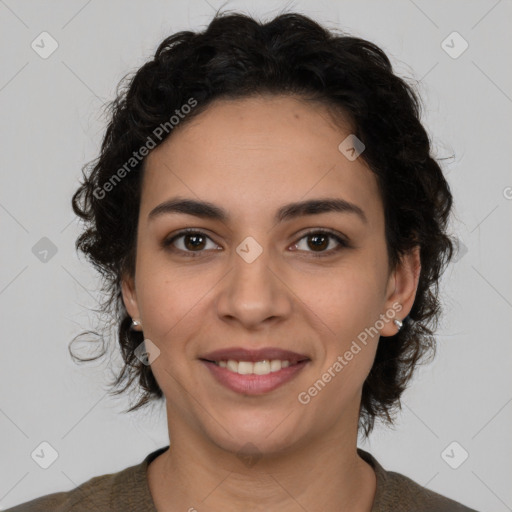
x=401 y=489
x=116 y=492
x=91 y=495
x=398 y=493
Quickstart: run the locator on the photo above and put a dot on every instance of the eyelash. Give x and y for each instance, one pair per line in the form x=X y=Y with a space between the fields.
x=343 y=244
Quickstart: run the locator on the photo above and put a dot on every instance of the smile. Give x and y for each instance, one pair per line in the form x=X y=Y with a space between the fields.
x=254 y=378
x=263 y=367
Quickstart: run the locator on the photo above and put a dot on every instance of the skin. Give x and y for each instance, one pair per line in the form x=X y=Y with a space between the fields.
x=251 y=156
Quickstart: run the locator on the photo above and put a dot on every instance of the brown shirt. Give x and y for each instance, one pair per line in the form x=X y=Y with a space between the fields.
x=128 y=491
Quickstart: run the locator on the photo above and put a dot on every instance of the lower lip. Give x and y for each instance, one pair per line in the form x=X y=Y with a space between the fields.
x=254 y=384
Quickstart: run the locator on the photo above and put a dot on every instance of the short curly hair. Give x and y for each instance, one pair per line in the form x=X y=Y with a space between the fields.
x=237 y=56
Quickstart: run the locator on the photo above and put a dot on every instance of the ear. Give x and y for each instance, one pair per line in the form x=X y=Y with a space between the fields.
x=401 y=290
x=130 y=297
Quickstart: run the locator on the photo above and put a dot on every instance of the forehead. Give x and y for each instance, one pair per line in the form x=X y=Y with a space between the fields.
x=251 y=155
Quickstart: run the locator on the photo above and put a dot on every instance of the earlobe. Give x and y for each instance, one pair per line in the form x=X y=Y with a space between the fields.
x=401 y=299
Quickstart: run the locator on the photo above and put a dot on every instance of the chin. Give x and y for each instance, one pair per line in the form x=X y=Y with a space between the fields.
x=256 y=437
x=255 y=446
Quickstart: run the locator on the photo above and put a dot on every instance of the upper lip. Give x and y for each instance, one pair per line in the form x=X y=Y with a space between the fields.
x=243 y=354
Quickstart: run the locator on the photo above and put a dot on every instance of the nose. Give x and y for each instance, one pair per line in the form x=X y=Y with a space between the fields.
x=253 y=293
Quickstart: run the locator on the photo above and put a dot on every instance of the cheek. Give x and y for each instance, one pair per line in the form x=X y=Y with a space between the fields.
x=348 y=298
x=166 y=295
x=349 y=345
x=172 y=308
x=349 y=303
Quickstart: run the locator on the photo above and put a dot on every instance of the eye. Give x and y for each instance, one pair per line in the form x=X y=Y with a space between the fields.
x=194 y=243
x=320 y=240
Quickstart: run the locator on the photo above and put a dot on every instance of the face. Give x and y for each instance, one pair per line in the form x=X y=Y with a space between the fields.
x=309 y=283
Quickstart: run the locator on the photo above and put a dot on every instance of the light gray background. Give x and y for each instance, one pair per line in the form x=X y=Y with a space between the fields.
x=52 y=124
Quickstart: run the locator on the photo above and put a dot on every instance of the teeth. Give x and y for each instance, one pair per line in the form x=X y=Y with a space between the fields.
x=244 y=367
x=232 y=365
x=259 y=368
x=276 y=365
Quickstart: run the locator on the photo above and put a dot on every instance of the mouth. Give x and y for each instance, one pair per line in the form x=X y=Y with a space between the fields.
x=263 y=367
x=254 y=372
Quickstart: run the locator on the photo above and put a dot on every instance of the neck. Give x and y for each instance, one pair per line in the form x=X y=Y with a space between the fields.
x=321 y=474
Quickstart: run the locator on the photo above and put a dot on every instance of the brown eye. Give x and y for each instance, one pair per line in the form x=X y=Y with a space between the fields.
x=193 y=242
x=319 y=241
x=189 y=241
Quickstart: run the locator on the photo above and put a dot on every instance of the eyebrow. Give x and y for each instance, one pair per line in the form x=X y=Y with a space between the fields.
x=206 y=210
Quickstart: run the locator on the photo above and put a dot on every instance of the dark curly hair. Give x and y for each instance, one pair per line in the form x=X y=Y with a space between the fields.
x=236 y=57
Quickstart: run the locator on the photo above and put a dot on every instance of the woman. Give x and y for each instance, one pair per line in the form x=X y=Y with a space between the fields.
x=271 y=229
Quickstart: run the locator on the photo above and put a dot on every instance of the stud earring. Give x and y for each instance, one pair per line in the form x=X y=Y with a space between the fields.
x=398 y=323
x=135 y=323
